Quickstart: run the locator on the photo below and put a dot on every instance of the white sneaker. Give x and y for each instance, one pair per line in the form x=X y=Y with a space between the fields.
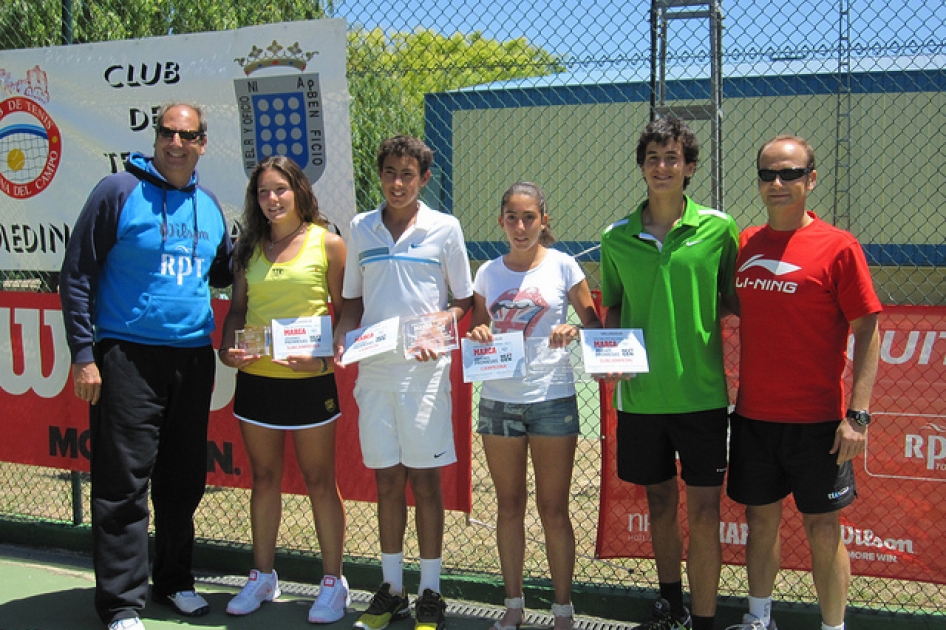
x=751 y=622
x=259 y=588
x=187 y=603
x=333 y=598
x=129 y=623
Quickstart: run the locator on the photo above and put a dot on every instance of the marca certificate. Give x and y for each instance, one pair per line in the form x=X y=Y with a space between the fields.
x=614 y=351
x=307 y=336
x=503 y=358
x=371 y=340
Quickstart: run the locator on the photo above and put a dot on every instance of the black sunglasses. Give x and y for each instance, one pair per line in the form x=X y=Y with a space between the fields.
x=186 y=136
x=785 y=174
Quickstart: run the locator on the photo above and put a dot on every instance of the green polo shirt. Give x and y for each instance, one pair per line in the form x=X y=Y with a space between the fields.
x=671 y=293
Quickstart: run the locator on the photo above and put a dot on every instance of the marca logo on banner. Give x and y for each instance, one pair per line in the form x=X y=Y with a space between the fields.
x=281 y=115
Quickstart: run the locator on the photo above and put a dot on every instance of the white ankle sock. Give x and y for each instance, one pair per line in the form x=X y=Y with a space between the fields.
x=392 y=570
x=429 y=574
x=761 y=608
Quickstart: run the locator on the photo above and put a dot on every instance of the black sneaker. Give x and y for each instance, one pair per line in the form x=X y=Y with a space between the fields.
x=662 y=618
x=385 y=607
x=430 y=611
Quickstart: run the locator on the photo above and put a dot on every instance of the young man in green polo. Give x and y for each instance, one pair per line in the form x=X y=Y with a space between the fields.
x=667 y=268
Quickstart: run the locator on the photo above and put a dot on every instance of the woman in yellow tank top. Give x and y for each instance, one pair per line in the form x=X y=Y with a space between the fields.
x=286 y=264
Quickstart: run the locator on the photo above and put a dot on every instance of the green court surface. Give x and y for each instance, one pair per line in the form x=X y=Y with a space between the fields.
x=52 y=590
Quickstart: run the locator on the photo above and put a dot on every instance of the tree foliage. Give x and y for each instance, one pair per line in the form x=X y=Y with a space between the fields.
x=32 y=23
x=388 y=73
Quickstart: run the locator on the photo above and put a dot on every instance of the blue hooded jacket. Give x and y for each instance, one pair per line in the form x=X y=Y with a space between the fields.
x=141 y=261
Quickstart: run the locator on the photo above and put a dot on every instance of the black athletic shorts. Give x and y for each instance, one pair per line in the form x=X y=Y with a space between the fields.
x=648 y=445
x=769 y=460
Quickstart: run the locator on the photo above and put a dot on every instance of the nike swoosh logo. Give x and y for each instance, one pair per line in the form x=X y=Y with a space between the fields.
x=692 y=243
x=437 y=455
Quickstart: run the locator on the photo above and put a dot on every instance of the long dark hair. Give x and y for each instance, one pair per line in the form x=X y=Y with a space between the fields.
x=254 y=227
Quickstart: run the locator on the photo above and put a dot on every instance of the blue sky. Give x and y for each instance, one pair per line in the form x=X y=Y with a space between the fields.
x=603 y=33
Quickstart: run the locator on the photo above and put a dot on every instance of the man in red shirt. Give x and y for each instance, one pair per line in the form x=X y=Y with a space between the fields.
x=803 y=286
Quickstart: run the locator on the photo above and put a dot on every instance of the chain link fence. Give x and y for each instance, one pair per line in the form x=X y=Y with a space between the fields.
x=557 y=93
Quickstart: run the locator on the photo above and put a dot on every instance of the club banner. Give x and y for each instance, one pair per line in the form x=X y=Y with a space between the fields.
x=44 y=424
x=70 y=115
x=897 y=525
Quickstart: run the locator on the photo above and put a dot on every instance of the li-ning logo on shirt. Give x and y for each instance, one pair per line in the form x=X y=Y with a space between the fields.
x=775 y=267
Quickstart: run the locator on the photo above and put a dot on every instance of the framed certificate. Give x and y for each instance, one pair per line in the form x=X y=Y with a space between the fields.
x=614 y=351
x=435 y=332
x=371 y=340
x=503 y=358
x=310 y=336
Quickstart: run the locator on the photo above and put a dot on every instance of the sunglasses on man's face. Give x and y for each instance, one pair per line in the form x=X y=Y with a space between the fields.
x=186 y=136
x=785 y=174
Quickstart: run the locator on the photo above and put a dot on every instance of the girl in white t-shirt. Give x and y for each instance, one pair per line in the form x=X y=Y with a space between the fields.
x=529 y=290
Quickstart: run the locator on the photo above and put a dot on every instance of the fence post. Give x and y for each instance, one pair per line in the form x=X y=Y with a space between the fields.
x=76 y=478
x=67 y=22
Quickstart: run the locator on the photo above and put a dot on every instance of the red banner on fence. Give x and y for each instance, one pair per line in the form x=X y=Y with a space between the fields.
x=897 y=526
x=44 y=424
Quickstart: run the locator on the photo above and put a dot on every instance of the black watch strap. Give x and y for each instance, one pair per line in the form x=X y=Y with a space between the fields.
x=861 y=418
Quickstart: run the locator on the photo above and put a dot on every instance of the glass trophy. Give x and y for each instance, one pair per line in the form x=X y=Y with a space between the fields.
x=558 y=365
x=254 y=341
x=435 y=332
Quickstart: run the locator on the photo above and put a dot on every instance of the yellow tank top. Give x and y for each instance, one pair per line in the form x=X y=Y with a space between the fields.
x=296 y=288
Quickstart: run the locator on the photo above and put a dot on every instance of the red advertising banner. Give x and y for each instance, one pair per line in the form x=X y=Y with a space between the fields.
x=44 y=424
x=897 y=526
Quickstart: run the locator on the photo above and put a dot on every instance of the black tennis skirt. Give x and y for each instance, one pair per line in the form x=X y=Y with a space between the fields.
x=286 y=403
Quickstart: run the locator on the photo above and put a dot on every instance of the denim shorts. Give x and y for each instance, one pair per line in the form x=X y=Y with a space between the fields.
x=555 y=418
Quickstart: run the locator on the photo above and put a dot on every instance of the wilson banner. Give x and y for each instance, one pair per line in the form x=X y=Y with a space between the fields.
x=897 y=525
x=46 y=425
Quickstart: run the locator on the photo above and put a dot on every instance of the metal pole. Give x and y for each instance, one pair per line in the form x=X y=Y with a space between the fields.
x=67 y=22
x=716 y=82
x=76 y=479
x=653 y=60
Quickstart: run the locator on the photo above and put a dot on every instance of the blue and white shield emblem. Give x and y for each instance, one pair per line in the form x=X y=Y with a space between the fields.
x=282 y=115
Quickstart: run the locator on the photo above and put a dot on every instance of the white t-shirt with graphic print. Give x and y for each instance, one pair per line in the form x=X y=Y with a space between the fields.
x=534 y=302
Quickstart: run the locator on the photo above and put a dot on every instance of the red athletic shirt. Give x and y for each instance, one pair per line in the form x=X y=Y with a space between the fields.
x=798 y=290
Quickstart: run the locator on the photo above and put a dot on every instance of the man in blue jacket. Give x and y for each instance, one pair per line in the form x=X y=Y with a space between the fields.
x=135 y=289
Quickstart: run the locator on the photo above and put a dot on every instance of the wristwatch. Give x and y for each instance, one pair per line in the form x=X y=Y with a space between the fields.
x=862 y=418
